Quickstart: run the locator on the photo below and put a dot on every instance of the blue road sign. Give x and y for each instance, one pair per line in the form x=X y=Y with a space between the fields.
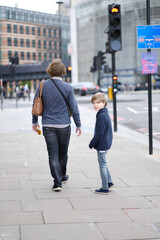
x=148 y=36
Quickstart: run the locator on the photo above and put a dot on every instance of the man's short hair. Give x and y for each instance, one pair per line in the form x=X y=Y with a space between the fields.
x=56 y=68
x=99 y=96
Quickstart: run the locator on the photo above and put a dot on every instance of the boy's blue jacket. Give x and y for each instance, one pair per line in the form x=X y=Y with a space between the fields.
x=103 y=135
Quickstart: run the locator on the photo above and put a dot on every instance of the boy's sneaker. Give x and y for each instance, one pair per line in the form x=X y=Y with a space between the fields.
x=102 y=191
x=56 y=188
x=65 y=178
x=111 y=185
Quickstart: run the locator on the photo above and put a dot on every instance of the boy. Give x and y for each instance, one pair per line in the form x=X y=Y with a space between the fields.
x=102 y=140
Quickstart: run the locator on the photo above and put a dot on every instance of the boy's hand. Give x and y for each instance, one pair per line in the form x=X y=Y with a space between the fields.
x=79 y=131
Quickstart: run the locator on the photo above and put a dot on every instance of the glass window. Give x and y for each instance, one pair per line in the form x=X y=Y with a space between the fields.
x=44 y=32
x=22 y=55
x=50 y=45
x=33 y=43
x=28 y=55
x=22 y=42
x=39 y=43
x=27 y=43
x=49 y=32
x=39 y=57
x=9 y=54
x=50 y=57
x=15 y=42
x=34 y=56
x=9 y=28
x=9 y=41
x=33 y=30
x=15 y=29
x=45 y=56
x=21 y=29
x=39 y=32
x=55 y=33
x=55 y=45
x=15 y=54
x=27 y=30
x=44 y=44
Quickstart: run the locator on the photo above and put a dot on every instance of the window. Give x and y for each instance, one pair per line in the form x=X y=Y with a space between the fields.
x=39 y=57
x=15 y=29
x=27 y=30
x=15 y=54
x=22 y=42
x=28 y=55
x=55 y=45
x=9 y=28
x=21 y=29
x=9 y=41
x=50 y=57
x=34 y=56
x=45 y=56
x=33 y=30
x=33 y=43
x=15 y=42
x=44 y=44
x=50 y=45
x=9 y=54
x=55 y=33
x=27 y=43
x=44 y=32
x=49 y=33
x=55 y=55
x=22 y=55
x=39 y=32
x=39 y=43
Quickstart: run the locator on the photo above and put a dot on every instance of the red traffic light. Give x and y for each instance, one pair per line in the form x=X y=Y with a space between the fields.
x=69 y=68
x=115 y=10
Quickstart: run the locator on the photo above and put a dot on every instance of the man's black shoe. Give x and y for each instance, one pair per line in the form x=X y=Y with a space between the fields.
x=65 y=178
x=56 y=188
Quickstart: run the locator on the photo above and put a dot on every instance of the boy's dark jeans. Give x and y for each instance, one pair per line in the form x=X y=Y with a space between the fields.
x=57 y=141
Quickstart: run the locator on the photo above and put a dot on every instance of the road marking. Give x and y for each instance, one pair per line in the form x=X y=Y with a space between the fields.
x=132 y=110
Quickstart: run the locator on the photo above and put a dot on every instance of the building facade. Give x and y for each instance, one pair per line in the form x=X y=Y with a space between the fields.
x=89 y=23
x=32 y=36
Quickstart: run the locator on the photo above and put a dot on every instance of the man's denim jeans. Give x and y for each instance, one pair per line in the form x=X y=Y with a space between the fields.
x=57 y=140
x=104 y=171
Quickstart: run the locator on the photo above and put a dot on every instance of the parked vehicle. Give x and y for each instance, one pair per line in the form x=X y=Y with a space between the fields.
x=84 y=88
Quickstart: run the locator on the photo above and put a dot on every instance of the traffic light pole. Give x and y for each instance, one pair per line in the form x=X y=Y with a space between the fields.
x=114 y=94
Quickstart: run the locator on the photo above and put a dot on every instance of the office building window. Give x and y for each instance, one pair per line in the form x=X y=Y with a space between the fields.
x=50 y=45
x=15 y=29
x=9 y=41
x=15 y=54
x=39 y=57
x=50 y=57
x=28 y=56
x=44 y=32
x=27 y=30
x=22 y=55
x=9 y=54
x=55 y=55
x=27 y=43
x=33 y=43
x=39 y=32
x=22 y=42
x=21 y=29
x=39 y=43
x=49 y=32
x=55 y=45
x=33 y=30
x=33 y=56
x=9 y=28
x=44 y=44
x=45 y=56
x=55 y=33
x=15 y=42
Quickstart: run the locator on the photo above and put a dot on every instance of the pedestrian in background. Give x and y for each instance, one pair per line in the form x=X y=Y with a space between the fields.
x=102 y=140
x=56 y=121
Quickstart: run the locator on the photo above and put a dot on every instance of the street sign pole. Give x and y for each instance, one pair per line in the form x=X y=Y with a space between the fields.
x=149 y=90
x=114 y=94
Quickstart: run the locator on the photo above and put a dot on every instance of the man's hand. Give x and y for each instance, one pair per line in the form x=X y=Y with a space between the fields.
x=79 y=131
x=34 y=127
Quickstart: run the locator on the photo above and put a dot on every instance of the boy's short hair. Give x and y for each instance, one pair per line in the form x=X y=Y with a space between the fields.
x=56 y=68
x=99 y=96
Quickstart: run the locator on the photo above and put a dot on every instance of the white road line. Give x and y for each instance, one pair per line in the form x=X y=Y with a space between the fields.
x=132 y=110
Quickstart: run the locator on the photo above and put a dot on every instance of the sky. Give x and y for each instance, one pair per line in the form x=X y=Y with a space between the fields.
x=47 y=6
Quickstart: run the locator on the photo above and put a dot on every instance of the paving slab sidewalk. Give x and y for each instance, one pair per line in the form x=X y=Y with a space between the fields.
x=29 y=209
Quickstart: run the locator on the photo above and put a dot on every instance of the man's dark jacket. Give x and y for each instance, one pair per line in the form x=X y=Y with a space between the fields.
x=103 y=135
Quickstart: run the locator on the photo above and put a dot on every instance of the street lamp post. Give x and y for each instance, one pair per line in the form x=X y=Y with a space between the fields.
x=60 y=36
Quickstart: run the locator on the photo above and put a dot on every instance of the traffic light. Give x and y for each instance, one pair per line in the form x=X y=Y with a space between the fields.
x=114 y=33
x=101 y=59
x=115 y=84
x=95 y=63
x=69 y=69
